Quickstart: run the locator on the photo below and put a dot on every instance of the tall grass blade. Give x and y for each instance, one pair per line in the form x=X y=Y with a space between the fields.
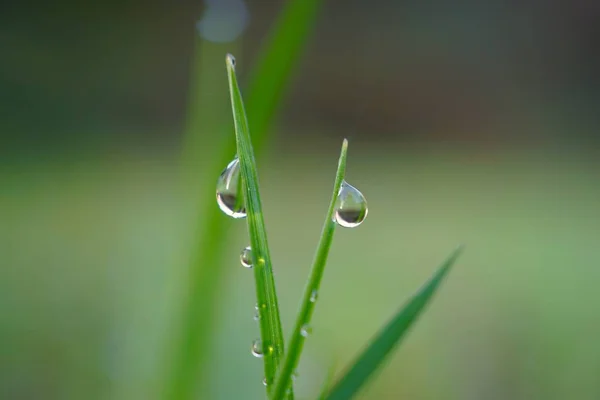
x=185 y=369
x=266 y=87
x=307 y=305
x=276 y=63
x=383 y=344
x=327 y=383
x=270 y=322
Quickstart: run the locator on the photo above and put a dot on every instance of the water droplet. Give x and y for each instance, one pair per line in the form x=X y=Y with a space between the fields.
x=257 y=349
x=256 y=312
x=305 y=330
x=246 y=257
x=294 y=376
x=314 y=295
x=351 y=207
x=265 y=381
x=229 y=196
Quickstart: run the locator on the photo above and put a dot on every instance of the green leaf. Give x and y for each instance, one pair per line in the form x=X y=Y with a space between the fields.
x=270 y=322
x=269 y=78
x=327 y=383
x=383 y=344
x=276 y=63
x=307 y=304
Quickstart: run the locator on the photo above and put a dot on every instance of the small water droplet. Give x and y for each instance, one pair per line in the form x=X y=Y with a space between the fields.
x=313 y=296
x=265 y=381
x=229 y=196
x=351 y=207
x=294 y=376
x=246 y=257
x=256 y=316
x=257 y=349
x=305 y=330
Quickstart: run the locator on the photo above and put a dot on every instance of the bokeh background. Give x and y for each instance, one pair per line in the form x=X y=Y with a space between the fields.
x=469 y=122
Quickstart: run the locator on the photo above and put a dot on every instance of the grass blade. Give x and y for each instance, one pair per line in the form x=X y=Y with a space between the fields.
x=276 y=63
x=270 y=322
x=266 y=87
x=326 y=386
x=307 y=304
x=191 y=339
x=389 y=336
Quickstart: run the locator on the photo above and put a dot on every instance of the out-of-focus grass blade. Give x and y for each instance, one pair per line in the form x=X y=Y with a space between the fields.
x=307 y=304
x=327 y=383
x=270 y=322
x=389 y=336
x=267 y=84
x=275 y=64
x=191 y=340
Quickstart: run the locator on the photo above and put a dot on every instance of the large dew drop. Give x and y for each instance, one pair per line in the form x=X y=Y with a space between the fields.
x=229 y=196
x=246 y=257
x=351 y=207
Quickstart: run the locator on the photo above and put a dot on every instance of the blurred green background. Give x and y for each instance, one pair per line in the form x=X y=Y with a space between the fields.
x=471 y=122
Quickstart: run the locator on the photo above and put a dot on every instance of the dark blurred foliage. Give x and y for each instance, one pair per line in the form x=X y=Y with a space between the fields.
x=483 y=72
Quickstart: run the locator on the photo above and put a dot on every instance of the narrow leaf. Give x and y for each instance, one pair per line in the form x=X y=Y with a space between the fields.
x=276 y=63
x=326 y=386
x=383 y=344
x=270 y=322
x=307 y=305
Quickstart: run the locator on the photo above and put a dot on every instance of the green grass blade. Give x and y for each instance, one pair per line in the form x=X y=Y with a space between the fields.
x=307 y=304
x=186 y=366
x=326 y=386
x=266 y=87
x=389 y=336
x=270 y=323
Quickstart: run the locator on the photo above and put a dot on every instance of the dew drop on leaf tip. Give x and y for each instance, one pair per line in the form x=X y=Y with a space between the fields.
x=231 y=59
x=351 y=207
x=229 y=195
